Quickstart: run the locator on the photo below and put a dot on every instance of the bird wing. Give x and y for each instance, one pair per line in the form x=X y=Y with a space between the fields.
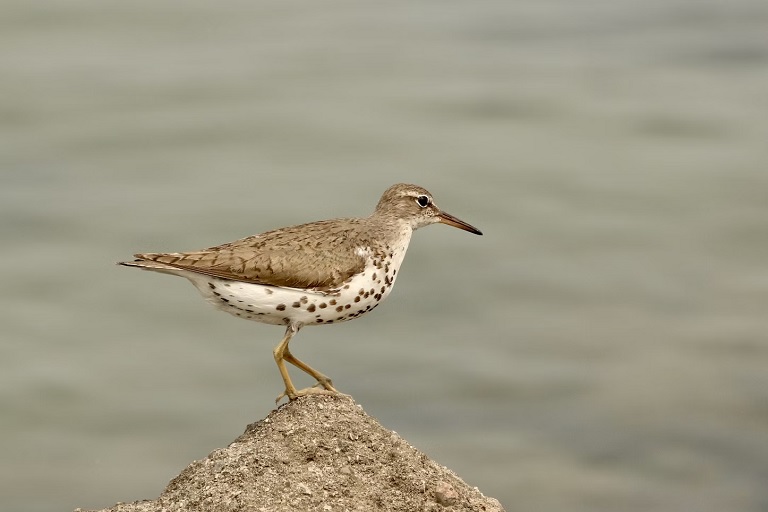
x=308 y=258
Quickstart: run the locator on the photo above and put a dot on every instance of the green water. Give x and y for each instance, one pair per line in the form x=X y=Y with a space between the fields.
x=603 y=346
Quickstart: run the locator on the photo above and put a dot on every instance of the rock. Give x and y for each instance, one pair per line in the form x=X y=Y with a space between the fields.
x=316 y=453
x=445 y=494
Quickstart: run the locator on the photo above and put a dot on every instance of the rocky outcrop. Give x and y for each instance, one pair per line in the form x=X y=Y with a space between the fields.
x=319 y=453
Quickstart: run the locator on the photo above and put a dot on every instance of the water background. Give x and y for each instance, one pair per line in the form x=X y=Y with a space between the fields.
x=604 y=347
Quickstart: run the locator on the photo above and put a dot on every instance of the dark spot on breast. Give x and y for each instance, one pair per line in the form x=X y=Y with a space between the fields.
x=268 y=291
x=377 y=296
x=286 y=320
x=332 y=302
x=225 y=300
x=249 y=311
x=373 y=291
x=304 y=300
x=383 y=289
x=280 y=307
x=367 y=294
x=329 y=321
x=213 y=286
x=373 y=277
x=319 y=320
x=311 y=308
x=217 y=294
x=339 y=308
x=227 y=285
x=357 y=299
x=322 y=305
x=347 y=306
x=394 y=271
x=361 y=291
x=296 y=304
x=346 y=287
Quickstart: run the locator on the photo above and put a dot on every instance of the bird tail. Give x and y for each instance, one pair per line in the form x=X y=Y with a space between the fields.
x=155 y=266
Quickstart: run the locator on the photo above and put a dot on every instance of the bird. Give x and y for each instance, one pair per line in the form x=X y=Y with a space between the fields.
x=319 y=273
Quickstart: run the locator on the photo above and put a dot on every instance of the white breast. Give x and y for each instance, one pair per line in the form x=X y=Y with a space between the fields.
x=282 y=306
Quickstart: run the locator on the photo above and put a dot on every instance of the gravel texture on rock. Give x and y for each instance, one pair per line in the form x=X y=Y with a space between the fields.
x=319 y=453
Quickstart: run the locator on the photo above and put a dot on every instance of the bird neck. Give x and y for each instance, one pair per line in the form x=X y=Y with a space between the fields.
x=393 y=231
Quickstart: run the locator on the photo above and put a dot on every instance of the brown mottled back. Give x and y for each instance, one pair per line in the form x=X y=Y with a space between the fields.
x=319 y=255
x=315 y=256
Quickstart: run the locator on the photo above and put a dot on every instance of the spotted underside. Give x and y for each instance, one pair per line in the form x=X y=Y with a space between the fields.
x=356 y=296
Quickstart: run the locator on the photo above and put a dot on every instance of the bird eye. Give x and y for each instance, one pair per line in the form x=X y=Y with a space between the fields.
x=423 y=201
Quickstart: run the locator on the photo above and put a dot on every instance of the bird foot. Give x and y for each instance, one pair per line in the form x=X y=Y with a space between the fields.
x=321 y=388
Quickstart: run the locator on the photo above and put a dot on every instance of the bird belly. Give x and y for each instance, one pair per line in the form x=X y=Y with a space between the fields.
x=282 y=306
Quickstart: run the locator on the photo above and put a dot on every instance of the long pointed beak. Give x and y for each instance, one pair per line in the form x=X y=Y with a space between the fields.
x=447 y=218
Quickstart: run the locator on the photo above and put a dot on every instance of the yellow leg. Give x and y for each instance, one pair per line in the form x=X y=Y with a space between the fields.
x=283 y=354
x=278 y=352
x=323 y=380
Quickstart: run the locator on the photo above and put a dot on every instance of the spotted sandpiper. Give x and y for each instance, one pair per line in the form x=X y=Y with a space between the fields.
x=319 y=273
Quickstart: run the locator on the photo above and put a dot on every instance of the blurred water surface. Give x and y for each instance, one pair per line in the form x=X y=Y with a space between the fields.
x=602 y=347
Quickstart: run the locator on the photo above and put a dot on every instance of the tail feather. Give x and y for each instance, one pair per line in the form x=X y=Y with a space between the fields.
x=151 y=265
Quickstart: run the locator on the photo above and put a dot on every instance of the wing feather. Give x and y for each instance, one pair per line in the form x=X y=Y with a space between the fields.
x=320 y=255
